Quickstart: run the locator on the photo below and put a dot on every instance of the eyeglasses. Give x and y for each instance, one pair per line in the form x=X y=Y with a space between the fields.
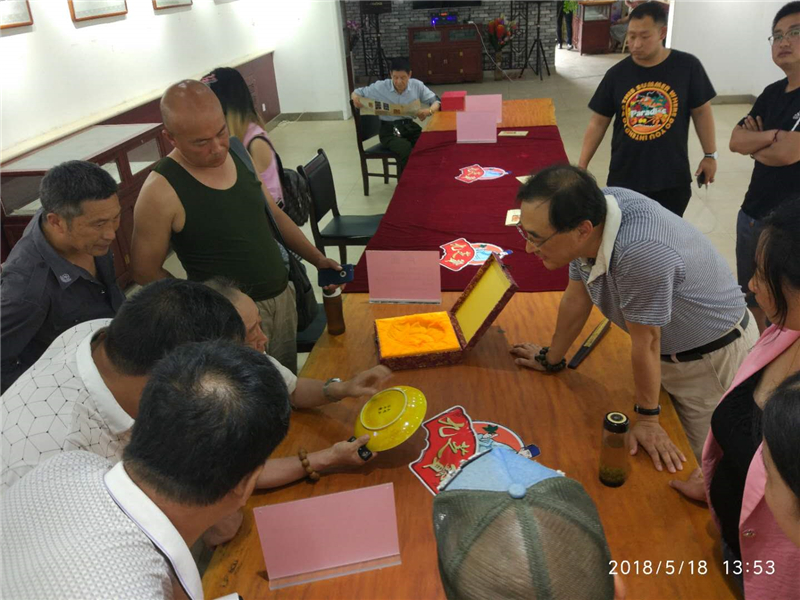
x=792 y=35
x=527 y=237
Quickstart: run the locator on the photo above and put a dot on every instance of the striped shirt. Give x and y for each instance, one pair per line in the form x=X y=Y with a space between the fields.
x=654 y=268
x=385 y=92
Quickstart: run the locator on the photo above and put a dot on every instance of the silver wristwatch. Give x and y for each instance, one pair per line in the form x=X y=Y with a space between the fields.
x=325 y=391
x=711 y=155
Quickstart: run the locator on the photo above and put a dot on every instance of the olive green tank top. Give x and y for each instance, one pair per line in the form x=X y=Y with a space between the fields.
x=227 y=232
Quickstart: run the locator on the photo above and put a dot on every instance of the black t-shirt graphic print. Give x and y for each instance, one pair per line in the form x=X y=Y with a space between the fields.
x=652 y=108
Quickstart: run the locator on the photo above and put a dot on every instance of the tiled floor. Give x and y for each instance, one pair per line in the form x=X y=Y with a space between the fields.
x=713 y=210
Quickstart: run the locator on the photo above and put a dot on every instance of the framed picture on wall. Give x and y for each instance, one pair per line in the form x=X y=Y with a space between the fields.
x=84 y=10
x=162 y=4
x=15 y=13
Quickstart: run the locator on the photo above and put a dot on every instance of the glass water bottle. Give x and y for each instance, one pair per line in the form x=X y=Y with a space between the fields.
x=614 y=455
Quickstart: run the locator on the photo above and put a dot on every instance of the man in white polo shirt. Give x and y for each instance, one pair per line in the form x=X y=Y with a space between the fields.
x=78 y=527
x=304 y=393
x=83 y=393
x=653 y=275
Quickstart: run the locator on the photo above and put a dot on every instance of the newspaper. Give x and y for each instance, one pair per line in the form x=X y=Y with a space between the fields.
x=376 y=107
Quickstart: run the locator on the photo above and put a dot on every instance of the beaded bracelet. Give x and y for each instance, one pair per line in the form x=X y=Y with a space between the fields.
x=303 y=456
x=541 y=358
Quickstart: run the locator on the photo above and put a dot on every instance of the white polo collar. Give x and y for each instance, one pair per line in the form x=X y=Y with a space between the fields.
x=155 y=525
x=610 y=230
x=114 y=416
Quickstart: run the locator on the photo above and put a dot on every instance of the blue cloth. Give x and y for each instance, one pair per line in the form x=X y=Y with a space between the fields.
x=500 y=470
x=385 y=92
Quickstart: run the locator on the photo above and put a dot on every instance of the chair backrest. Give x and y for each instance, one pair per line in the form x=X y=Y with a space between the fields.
x=319 y=176
x=370 y=126
x=367 y=126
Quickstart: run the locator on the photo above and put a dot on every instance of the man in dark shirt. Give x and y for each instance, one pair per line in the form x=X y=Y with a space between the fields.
x=653 y=93
x=61 y=272
x=770 y=133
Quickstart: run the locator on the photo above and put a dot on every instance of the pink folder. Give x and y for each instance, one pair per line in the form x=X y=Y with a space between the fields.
x=486 y=103
x=404 y=277
x=476 y=128
x=329 y=536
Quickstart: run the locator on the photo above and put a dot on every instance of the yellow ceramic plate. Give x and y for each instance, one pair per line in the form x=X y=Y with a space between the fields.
x=391 y=417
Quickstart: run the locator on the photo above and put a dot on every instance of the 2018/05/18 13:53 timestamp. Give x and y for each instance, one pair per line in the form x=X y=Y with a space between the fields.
x=691 y=567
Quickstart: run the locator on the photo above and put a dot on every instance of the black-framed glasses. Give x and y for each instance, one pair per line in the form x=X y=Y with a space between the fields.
x=793 y=35
x=528 y=240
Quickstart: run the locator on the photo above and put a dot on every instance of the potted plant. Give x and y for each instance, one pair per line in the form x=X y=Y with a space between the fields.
x=500 y=34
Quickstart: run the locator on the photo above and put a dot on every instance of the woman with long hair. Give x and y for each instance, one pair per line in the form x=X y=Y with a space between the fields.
x=245 y=123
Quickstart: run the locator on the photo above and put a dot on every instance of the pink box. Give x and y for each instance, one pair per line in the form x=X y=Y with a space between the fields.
x=453 y=100
x=486 y=103
x=476 y=128
x=403 y=276
x=329 y=536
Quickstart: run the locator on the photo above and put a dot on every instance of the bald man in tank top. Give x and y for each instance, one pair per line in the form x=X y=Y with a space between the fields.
x=204 y=201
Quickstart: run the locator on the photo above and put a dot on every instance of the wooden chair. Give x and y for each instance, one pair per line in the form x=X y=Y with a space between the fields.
x=367 y=127
x=342 y=231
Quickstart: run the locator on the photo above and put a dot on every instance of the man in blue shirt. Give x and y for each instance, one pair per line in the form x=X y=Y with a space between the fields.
x=399 y=134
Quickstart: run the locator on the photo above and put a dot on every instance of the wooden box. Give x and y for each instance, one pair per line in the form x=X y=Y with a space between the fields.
x=471 y=315
x=592 y=26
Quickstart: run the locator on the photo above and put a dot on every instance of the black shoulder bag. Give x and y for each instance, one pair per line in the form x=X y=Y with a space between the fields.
x=306 y=301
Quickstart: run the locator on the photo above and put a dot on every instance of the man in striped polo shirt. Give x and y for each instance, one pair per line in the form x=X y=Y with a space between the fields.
x=655 y=276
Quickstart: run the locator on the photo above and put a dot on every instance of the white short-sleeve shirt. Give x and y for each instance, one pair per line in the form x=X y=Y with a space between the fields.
x=289 y=378
x=76 y=527
x=61 y=403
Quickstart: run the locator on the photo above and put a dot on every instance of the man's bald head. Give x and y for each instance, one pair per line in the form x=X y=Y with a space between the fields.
x=195 y=124
x=188 y=100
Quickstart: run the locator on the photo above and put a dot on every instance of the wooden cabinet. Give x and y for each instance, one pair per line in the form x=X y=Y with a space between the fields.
x=445 y=54
x=127 y=152
x=591 y=26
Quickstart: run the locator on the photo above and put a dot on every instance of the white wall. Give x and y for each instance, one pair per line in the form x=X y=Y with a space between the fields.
x=58 y=76
x=314 y=63
x=730 y=39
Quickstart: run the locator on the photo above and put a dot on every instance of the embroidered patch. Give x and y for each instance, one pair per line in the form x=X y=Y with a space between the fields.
x=460 y=254
x=476 y=172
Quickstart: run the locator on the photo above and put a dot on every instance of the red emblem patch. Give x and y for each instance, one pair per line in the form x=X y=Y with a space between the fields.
x=457 y=254
x=470 y=173
x=450 y=440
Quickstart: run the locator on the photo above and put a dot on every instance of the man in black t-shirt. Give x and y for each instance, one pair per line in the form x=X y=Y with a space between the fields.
x=770 y=133
x=653 y=93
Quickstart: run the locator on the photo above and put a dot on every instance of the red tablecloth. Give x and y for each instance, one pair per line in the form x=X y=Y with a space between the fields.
x=431 y=208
